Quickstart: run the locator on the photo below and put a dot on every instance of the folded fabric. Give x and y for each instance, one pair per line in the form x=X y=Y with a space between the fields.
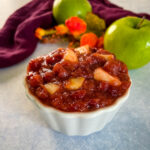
x=17 y=40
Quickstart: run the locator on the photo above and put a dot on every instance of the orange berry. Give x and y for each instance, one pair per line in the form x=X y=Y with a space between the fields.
x=89 y=39
x=100 y=42
x=61 y=29
x=76 y=25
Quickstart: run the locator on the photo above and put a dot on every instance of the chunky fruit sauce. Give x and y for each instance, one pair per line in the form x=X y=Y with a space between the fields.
x=77 y=80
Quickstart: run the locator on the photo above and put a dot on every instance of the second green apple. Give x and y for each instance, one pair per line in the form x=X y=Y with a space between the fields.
x=64 y=9
x=129 y=41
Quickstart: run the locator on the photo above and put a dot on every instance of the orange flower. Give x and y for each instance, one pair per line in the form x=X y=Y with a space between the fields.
x=39 y=33
x=61 y=29
x=89 y=39
x=76 y=26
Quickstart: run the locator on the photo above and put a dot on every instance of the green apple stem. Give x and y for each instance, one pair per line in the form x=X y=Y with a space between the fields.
x=140 y=23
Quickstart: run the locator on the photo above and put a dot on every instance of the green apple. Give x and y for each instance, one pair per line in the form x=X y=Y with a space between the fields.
x=64 y=9
x=129 y=39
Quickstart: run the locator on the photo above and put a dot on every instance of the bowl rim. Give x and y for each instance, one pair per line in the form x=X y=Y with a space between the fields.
x=88 y=114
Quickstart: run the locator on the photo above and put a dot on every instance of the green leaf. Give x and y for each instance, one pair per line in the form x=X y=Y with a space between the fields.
x=50 y=32
x=95 y=24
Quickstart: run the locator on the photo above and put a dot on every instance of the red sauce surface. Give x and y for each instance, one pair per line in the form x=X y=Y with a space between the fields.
x=91 y=95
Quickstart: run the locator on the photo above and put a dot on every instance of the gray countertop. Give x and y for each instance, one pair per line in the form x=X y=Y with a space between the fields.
x=23 y=128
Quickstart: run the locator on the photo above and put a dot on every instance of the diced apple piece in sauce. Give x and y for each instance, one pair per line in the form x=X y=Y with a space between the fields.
x=51 y=87
x=105 y=56
x=74 y=83
x=101 y=75
x=71 y=56
x=83 y=49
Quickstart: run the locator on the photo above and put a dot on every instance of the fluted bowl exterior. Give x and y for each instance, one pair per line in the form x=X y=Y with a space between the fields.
x=77 y=123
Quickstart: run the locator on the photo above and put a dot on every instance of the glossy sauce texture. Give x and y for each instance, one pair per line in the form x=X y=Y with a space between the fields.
x=92 y=94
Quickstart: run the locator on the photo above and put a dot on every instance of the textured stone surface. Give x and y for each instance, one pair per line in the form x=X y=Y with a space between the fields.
x=23 y=128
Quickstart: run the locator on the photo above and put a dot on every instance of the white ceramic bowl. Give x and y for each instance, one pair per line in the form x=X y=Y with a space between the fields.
x=77 y=123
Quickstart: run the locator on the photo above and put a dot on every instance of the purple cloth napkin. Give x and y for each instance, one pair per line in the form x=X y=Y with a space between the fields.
x=17 y=40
